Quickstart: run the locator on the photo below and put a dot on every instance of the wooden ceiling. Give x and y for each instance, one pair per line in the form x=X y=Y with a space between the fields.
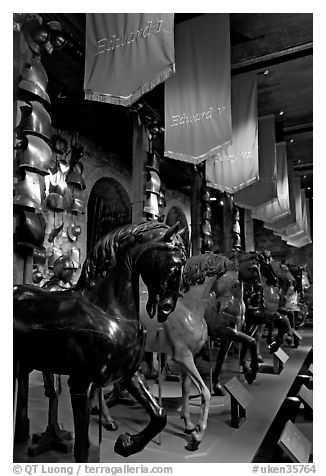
x=278 y=46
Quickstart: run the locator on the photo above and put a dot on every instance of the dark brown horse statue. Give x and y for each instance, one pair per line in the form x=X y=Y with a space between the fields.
x=92 y=333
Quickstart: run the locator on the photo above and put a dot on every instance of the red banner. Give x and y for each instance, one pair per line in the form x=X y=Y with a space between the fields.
x=127 y=55
x=198 y=96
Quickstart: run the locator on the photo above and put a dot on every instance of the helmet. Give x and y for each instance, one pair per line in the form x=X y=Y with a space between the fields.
x=28 y=191
x=31 y=230
x=77 y=205
x=38 y=120
x=55 y=201
x=153 y=161
x=153 y=183
x=73 y=231
x=37 y=156
x=34 y=89
x=61 y=264
x=56 y=253
x=34 y=72
x=76 y=179
x=151 y=204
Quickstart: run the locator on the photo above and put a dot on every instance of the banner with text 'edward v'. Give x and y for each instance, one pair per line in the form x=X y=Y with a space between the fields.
x=198 y=96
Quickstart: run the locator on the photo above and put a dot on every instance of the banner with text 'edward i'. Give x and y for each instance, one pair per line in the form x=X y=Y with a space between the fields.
x=198 y=96
x=236 y=166
x=127 y=55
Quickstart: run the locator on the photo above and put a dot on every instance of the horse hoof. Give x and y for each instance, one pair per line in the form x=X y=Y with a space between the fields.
x=250 y=378
x=218 y=390
x=260 y=359
x=112 y=426
x=123 y=445
x=193 y=444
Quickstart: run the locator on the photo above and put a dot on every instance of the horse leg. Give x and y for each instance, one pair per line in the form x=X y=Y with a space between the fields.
x=127 y=444
x=217 y=387
x=185 y=411
x=186 y=361
x=234 y=335
x=283 y=327
x=109 y=423
x=80 y=393
x=258 y=338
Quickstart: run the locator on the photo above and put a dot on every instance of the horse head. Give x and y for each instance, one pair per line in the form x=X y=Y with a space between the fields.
x=248 y=263
x=160 y=259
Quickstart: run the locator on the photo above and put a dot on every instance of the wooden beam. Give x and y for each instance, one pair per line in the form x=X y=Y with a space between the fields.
x=276 y=57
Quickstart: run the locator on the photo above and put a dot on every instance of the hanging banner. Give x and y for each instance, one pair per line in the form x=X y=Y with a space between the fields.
x=280 y=207
x=198 y=96
x=236 y=167
x=264 y=191
x=291 y=218
x=297 y=227
x=305 y=239
x=127 y=55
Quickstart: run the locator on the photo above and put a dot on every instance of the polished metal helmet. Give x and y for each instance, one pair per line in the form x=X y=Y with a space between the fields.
x=55 y=254
x=74 y=178
x=153 y=183
x=61 y=264
x=28 y=192
x=37 y=156
x=37 y=121
x=151 y=204
x=153 y=161
x=34 y=90
x=34 y=72
x=31 y=230
x=55 y=201
x=73 y=231
x=77 y=205
x=206 y=227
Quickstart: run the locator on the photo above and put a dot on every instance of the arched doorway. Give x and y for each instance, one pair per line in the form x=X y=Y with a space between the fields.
x=108 y=208
x=176 y=214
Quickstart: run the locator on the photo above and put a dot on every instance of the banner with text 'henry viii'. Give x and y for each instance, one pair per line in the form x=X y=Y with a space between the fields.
x=198 y=95
x=127 y=55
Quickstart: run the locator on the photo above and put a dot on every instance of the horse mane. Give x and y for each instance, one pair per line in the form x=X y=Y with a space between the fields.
x=198 y=267
x=103 y=257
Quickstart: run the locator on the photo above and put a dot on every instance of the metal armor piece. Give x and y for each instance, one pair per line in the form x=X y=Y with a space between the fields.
x=38 y=120
x=55 y=201
x=151 y=204
x=61 y=264
x=34 y=72
x=56 y=253
x=207 y=230
x=77 y=205
x=57 y=182
x=208 y=243
x=73 y=232
x=206 y=194
x=207 y=215
x=76 y=179
x=31 y=230
x=153 y=183
x=37 y=156
x=39 y=257
x=35 y=90
x=153 y=161
x=28 y=191
x=75 y=256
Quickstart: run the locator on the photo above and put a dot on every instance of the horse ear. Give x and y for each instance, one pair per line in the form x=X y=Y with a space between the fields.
x=171 y=231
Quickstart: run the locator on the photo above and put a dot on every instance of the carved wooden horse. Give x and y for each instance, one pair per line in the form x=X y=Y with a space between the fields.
x=301 y=286
x=185 y=332
x=262 y=304
x=92 y=333
x=227 y=332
